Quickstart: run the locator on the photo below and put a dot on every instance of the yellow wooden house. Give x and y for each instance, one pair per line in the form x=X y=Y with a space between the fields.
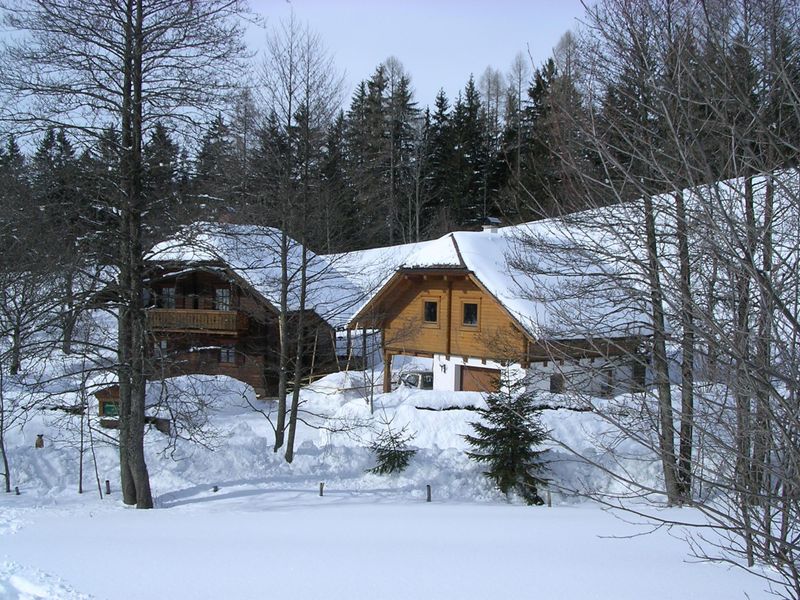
x=461 y=302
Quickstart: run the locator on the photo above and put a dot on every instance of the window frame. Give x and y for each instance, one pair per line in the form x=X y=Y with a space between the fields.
x=227 y=295
x=160 y=349
x=168 y=297
x=437 y=302
x=468 y=326
x=227 y=355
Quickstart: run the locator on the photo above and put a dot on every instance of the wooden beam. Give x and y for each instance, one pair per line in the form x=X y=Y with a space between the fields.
x=387 y=372
x=449 y=318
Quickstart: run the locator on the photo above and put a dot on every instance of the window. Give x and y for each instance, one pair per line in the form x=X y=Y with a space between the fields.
x=110 y=409
x=222 y=298
x=167 y=297
x=607 y=382
x=427 y=381
x=411 y=380
x=227 y=354
x=556 y=383
x=160 y=349
x=470 y=314
x=430 y=312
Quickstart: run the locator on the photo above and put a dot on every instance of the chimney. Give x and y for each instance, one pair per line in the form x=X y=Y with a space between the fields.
x=490 y=224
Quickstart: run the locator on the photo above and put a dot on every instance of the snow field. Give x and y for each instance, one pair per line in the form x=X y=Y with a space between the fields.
x=266 y=532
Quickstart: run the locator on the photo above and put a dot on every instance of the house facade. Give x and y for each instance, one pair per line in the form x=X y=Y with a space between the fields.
x=202 y=320
x=212 y=298
x=457 y=301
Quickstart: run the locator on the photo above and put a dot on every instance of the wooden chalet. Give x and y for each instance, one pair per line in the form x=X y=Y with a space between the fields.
x=212 y=298
x=457 y=301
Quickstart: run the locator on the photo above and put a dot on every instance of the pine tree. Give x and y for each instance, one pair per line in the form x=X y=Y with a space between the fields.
x=466 y=205
x=161 y=175
x=215 y=167
x=440 y=157
x=339 y=218
x=507 y=437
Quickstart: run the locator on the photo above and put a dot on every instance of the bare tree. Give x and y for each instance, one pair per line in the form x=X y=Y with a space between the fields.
x=82 y=65
x=301 y=92
x=691 y=132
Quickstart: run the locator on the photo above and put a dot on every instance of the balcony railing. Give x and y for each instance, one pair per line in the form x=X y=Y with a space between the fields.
x=190 y=320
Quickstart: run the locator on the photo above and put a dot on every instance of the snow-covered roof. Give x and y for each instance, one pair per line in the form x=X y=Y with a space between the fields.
x=253 y=253
x=494 y=257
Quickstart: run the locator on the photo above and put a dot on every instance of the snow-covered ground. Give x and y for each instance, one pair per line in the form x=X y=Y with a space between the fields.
x=266 y=532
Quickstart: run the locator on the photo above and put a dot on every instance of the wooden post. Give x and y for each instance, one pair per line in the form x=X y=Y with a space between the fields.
x=449 y=315
x=387 y=372
x=549 y=499
x=321 y=487
x=364 y=361
x=428 y=490
x=108 y=487
x=16 y=490
x=314 y=356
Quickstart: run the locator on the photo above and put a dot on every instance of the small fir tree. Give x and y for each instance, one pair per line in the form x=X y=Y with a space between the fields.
x=507 y=437
x=391 y=450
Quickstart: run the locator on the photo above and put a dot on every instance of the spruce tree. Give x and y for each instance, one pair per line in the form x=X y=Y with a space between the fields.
x=215 y=168
x=507 y=439
x=440 y=157
x=466 y=204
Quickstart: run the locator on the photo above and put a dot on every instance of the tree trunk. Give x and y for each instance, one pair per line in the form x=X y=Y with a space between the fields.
x=744 y=384
x=133 y=470
x=666 y=433
x=687 y=353
x=6 y=468
x=762 y=437
x=283 y=334
x=16 y=349
x=298 y=358
x=68 y=317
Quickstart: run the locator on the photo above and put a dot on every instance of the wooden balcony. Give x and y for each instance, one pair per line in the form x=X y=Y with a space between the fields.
x=187 y=320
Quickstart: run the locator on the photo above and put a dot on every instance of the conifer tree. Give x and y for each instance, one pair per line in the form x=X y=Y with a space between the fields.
x=215 y=165
x=440 y=157
x=507 y=440
x=466 y=204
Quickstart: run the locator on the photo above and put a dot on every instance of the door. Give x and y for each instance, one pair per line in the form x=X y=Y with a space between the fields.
x=477 y=379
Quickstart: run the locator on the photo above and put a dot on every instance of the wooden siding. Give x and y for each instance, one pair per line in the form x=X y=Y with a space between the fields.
x=179 y=319
x=494 y=336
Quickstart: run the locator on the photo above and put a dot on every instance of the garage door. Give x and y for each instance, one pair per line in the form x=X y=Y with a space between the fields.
x=476 y=379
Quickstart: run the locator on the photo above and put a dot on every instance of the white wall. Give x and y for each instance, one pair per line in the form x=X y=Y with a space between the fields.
x=447 y=373
x=599 y=376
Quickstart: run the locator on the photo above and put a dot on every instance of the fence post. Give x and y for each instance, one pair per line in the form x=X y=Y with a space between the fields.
x=321 y=486
x=108 y=487
x=428 y=490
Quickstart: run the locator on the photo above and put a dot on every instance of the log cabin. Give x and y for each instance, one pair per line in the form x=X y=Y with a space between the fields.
x=463 y=302
x=213 y=298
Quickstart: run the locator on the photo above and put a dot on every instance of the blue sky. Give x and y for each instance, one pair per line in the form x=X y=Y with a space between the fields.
x=440 y=42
